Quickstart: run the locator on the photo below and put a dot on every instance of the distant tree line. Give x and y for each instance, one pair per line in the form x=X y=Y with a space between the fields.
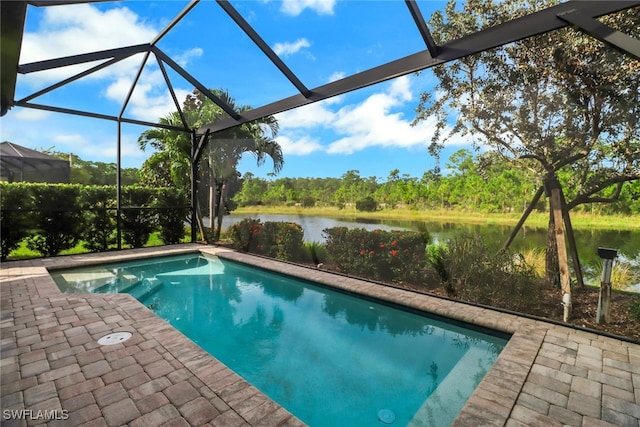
x=87 y=172
x=482 y=183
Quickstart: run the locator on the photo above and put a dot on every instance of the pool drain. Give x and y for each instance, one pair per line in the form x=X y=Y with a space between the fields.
x=386 y=416
x=114 y=338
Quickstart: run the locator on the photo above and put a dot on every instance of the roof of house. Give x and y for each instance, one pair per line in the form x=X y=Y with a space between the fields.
x=10 y=149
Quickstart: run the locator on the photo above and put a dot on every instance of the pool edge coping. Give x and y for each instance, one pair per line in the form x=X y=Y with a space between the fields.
x=494 y=400
x=515 y=360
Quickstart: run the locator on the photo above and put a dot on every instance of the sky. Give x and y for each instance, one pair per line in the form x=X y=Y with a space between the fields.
x=368 y=130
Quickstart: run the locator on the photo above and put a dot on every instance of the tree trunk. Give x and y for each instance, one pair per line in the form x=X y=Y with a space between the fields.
x=220 y=212
x=524 y=217
x=552 y=273
x=563 y=261
x=573 y=248
x=200 y=222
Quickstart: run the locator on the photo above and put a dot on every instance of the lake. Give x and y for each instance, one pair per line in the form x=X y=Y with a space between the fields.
x=588 y=240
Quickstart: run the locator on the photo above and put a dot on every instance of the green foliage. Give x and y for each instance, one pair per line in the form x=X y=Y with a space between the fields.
x=96 y=173
x=477 y=274
x=99 y=203
x=314 y=252
x=15 y=219
x=623 y=273
x=549 y=103
x=246 y=235
x=57 y=217
x=280 y=240
x=170 y=165
x=287 y=238
x=138 y=221
x=377 y=254
x=368 y=204
x=57 y=221
x=172 y=220
x=436 y=255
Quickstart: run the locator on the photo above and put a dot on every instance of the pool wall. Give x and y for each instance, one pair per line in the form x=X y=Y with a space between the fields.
x=546 y=375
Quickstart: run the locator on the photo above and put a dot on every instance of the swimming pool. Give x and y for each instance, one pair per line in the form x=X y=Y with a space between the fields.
x=327 y=357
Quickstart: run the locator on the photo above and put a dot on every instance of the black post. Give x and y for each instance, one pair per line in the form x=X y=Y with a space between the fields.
x=194 y=171
x=118 y=185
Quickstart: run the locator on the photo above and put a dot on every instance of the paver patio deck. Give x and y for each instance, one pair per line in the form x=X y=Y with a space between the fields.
x=51 y=364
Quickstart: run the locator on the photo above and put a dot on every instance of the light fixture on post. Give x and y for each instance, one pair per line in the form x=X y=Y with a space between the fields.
x=603 y=315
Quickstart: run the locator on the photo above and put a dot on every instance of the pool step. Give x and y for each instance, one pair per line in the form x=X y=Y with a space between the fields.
x=117 y=284
x=144 y=288
x=456 y=383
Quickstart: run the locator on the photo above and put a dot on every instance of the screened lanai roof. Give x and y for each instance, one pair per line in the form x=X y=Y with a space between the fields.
x=271 y=80
x=22 y=164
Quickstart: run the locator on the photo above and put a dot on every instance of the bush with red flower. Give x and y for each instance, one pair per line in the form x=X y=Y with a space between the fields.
x=280 y=240
x=378 y=254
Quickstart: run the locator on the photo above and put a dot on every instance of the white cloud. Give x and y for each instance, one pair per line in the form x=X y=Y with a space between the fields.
x=69 y=139
x=185 y=57
x=300 y=147
x=377 y=121
x=287 y=48
x=30 y=114
x=83 y=28
x=101 y=147
x=296 y=7
x=400 y=88
x=307 y=116
x=337 y=75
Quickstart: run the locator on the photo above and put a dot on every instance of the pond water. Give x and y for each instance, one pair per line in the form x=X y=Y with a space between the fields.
x=588 y=240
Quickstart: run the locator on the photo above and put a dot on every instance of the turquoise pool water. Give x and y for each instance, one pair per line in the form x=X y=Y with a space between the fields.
x=329 y=358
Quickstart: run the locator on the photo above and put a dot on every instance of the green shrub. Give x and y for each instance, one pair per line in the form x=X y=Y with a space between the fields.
x=57 y=220
x=479 y=275
x=284 y=240
x=377 y=254
x=368 y=204
x=280 y=240
x=314 y=252
x=436 y=257
x=15 y=217
x=99 y=203
x=246 y=235
x=138 y=221
x=172 y=220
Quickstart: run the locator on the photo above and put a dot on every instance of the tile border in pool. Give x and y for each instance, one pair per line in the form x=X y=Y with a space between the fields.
x=546 y=375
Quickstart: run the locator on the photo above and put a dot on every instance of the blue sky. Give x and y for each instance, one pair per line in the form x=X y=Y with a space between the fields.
x=320 y=40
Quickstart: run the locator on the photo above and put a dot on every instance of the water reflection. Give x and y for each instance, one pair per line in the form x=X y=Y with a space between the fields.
x=370 y=317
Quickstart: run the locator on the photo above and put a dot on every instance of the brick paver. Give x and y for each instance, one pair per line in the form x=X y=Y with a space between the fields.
x=547 y=375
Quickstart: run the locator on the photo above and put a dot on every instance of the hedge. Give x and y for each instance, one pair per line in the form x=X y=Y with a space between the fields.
x=55 y=217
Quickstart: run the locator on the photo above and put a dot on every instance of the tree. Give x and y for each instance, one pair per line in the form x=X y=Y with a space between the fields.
x=171 y=164
x=224 y=149
x=95 y=173
x=555 y=102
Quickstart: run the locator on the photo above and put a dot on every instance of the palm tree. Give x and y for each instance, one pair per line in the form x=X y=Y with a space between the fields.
x=171 y=164
x=226 y=148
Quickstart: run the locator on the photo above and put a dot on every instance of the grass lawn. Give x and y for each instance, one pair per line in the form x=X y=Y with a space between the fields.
x=23 y=252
